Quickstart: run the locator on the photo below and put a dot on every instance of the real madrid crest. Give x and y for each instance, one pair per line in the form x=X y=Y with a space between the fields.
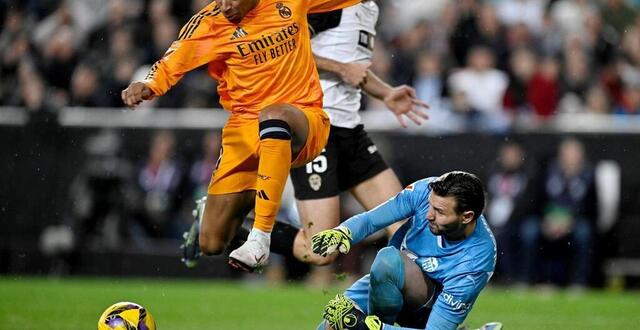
x=283 y=10
x=315 y=182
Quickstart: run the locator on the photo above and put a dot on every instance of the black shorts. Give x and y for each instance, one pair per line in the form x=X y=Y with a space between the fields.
x=349 y=158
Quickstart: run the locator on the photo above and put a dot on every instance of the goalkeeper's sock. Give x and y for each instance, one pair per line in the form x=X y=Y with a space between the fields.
x=385 y=285
x=282 y=238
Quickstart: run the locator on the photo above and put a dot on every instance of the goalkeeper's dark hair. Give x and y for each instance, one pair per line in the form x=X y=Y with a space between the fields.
x=465 y=187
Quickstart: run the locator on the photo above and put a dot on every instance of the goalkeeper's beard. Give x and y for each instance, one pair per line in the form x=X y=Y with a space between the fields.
x=453 y=230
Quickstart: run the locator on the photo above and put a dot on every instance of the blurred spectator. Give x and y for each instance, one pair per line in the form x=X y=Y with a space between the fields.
x=576 y=73
x=528 y=12
x=551 y=38
x=522 y=67
x=570 y=16
x=492 y=34
x=85 y=87
x=597 y=43
x=511 y=189
x=120 y=14
x=32 y=92
x=202 y=169
x=544 y=89
x=411 y=12
x=484 y=87
x=601 y=41
x=14 y=47
x=58 y=61
x=465 y=32
x=567 y=222
x=465 y=118
x=408 y=44
x=618 y=14
x=575 y=79
x=631 y=51
x=519 y=36
x=429 y=81
x=160 y=10
x=597 y=101
x=630 y=104
x=161 y=183
x=122 y=71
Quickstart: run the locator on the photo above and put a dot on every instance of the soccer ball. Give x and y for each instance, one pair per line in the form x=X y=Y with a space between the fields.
x=126 y=316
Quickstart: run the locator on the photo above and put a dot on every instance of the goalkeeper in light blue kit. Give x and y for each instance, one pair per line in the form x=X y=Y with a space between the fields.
x=434 y=267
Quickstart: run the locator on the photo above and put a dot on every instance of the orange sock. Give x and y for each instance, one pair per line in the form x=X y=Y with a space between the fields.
x=273 y=170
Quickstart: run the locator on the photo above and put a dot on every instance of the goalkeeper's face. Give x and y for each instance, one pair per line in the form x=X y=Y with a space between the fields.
x=443 y=218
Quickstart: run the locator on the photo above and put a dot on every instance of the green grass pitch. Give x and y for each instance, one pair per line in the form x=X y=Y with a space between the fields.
x=67 y=304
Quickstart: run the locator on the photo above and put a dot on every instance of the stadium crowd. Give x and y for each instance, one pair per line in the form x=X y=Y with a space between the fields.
x=481 y=65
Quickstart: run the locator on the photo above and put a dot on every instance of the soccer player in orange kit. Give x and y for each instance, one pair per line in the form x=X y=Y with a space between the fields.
x=260 y=53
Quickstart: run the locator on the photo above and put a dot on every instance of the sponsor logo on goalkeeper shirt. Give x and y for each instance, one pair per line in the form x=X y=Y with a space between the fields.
x=455 y=303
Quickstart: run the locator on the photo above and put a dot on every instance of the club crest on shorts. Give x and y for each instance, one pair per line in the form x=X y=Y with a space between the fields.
x=283 y=10
x=315 y=182
x=430 y=264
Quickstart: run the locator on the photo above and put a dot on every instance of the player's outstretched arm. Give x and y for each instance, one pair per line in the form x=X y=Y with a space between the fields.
x=401 y=100
x=196 y=45
x=354 y=74
x=360 y=226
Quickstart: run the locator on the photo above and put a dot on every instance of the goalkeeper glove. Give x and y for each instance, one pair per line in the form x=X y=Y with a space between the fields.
x=327 y=242
x=342 y=314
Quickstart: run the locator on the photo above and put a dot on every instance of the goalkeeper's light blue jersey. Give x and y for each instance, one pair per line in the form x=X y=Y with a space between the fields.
x=461 y=268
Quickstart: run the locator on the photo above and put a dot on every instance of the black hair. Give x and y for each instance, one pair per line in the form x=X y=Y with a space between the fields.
x=465 y=187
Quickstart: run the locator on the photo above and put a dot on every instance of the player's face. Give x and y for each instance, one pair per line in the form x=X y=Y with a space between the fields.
x=443 y=218
x=235 y=10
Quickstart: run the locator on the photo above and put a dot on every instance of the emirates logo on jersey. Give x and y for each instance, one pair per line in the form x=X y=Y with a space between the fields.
x=283 y=10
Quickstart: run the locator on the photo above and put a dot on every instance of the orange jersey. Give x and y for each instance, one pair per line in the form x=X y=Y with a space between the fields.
x=265 y=59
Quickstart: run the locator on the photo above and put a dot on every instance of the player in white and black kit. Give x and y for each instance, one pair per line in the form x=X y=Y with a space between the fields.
x=342 y=44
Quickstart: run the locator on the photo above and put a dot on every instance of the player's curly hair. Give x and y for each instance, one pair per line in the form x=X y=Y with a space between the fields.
x=465 y=187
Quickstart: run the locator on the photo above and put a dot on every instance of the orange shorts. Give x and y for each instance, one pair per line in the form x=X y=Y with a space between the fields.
x=238 y=165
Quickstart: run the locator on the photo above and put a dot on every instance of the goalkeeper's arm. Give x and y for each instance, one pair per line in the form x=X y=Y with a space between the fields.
x=358 y=227
x=393 y=210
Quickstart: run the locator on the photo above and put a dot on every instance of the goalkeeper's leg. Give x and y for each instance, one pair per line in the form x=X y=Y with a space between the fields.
x=397 y=284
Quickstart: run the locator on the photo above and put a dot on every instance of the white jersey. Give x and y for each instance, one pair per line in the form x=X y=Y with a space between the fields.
x=350 y=41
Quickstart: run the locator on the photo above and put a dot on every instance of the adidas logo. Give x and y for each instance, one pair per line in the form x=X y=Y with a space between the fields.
x=262 y=195
x=239 y=33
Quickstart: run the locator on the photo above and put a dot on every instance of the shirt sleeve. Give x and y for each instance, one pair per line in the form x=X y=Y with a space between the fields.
x=399 y=207
x=321 y=6
x=456 y=299
x=196 y=46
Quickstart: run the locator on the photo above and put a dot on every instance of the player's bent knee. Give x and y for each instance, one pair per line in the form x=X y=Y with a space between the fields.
x=211 y=246
x=273 y=112
x=388 y=266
